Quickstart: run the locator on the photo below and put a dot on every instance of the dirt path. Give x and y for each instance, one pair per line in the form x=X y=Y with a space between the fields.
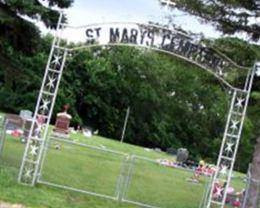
x=7 y=205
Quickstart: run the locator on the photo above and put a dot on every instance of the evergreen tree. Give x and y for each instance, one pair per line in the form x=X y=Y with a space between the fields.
x=228 y=16
x=21 y=33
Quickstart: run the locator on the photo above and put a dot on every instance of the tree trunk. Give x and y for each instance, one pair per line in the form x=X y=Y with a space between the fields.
x=253 y=198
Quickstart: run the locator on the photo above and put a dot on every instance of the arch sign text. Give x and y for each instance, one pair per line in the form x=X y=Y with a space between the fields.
x=170 y=41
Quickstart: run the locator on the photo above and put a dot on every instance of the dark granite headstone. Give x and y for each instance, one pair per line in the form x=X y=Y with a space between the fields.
x=182 y=155
x=171 y=151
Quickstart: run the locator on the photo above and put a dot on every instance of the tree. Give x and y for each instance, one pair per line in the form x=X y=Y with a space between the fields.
x=167 y=108
x=228 y=16
x=21 y=33
x=19 y=37
x=253 y=193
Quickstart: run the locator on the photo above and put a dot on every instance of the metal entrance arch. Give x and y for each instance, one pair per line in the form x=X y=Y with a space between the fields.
x=153 y=37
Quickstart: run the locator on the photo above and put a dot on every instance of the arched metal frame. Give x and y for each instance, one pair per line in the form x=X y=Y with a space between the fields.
x=34 y=150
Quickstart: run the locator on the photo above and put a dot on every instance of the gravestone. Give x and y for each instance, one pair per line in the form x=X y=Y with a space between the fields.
x=157 y=149
x=36 y=130
x=26 y=114
x=1 y=118
x=62 y=123
x=27 y=128
x=87 y=131
x=171 y=151
x=14 y=122
x=182 y=155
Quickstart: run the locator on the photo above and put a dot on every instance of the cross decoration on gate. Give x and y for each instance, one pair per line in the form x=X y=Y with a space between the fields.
x=45 y=104
x=240 y=102
x=229 y=147
x=224 y=169
x=56 y=60
x=34 y=149
x=51 y=82
x=220 y=72
x=28 y=173
x=219 y=191
x=234 y=124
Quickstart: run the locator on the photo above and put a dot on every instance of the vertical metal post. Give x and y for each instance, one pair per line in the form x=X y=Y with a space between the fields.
x=230 y=143
x=44 y=154
x=38 y=165
x=246 y=193
x=221 y=150
x=122 y=178
x=248 y=184
x=125 y=124
x=37 y=137
x=258 y=194
x=128 y=177
x=206 y=193
x=256 y=183
x=2 y=134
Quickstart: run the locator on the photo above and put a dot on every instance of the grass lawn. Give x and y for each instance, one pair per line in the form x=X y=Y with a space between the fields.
x=97 y=171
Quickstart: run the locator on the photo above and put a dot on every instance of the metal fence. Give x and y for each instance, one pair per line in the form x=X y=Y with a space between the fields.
x=115 y=175
x=252 y=193
x=249 y=197
x=206 y=194
x=2 y=133
x=150 y=184
x=11 y=150
x=82 y=168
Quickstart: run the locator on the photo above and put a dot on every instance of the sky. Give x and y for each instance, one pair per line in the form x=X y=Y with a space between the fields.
x=84 y=12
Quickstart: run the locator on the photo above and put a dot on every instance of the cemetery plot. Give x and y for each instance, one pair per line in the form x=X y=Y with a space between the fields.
x=153 y=185
x=82 y=168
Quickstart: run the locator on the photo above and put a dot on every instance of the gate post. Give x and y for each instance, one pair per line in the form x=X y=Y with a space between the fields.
x=126 y=177
x=230 y=142
x=32 y=157
x=3 y=123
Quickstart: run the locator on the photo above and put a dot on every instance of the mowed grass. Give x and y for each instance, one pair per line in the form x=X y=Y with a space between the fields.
x=88 y=169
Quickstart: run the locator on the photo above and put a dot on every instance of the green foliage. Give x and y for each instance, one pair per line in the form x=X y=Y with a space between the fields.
x=245 y=54
x=20 y=33
x=22 y=56
x=168 y=108
x=237 y=50
x=230 y=16
x=246 y=148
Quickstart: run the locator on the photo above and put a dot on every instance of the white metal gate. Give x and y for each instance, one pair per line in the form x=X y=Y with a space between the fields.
x=82 y=168
x=160 y=39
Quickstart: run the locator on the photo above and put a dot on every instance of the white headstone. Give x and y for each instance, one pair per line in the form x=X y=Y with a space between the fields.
x=25 y=114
